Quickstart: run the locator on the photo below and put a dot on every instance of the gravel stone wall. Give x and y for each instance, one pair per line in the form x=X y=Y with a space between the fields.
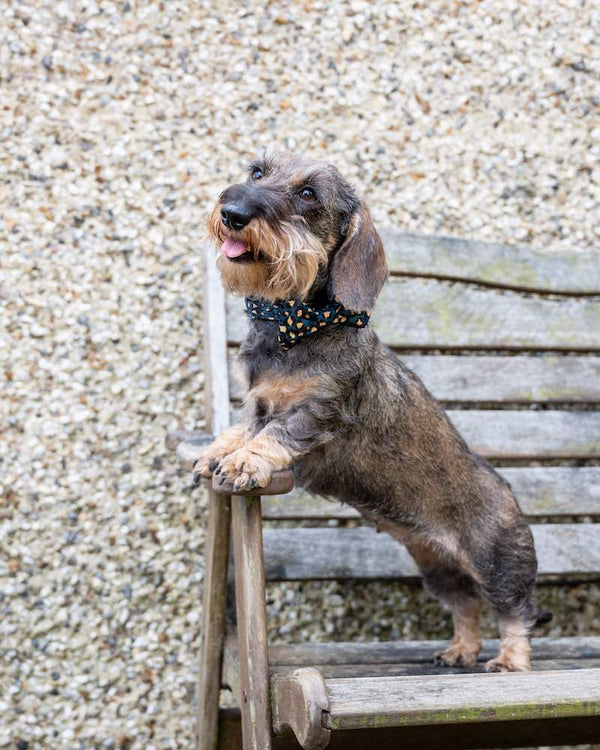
x=119 y=124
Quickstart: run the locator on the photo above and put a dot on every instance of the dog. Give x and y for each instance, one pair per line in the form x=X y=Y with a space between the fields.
x=326 y=398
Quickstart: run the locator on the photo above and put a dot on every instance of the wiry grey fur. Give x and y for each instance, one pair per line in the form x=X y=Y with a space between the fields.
x=371 y=435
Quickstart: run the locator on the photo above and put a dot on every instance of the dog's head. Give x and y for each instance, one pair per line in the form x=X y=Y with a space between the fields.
x=296 y=226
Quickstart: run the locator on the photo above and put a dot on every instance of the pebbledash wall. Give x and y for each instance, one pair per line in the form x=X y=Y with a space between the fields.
x=120 y=123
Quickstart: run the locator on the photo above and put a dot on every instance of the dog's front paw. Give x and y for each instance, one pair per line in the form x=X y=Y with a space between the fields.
x=205 y=464
x=244 y=470
x=502 y=663
x=456 y=655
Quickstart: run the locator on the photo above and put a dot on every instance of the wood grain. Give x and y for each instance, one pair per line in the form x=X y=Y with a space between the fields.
x=541 y=492
x=417 y=313
x=519 y=379
x=566 y=271
x=418 y=652
x=405 y=701
x=397 y=670
x=251 y=623
x=219 y=520
x=530 y=434
x=327 y=553
x=299 y=700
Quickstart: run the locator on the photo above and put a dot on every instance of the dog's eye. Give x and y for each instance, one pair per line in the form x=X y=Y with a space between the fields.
x=257 y=174
x=308 y=194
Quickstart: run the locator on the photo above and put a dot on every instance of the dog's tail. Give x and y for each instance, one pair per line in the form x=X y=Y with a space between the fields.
x=542 y=618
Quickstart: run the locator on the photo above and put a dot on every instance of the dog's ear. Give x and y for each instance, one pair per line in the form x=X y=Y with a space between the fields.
x=358 y=269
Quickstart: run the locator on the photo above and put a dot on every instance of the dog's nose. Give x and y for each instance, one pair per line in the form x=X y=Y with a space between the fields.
x=234 y=216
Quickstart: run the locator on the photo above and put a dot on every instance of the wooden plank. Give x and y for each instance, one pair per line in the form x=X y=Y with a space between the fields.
x=416 y=313
x=327 y=553
x=219 y=520
x=519 y=379
x=530 y=434
x=334 y=671
x=541 y=491
x=532 y=733
x=427 y=313
x=454 y=699
x=251 y=623
x=293 y=655
x=566 y=271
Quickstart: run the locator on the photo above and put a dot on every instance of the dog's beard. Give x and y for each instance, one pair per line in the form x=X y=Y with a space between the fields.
x=284 y=261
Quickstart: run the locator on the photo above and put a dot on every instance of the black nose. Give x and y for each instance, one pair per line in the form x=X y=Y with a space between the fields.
x=234 y=216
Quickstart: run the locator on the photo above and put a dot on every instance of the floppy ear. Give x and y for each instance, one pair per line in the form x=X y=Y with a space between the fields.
x=358 y=269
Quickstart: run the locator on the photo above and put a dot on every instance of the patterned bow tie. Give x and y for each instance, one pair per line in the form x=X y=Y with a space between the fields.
x=297 y=320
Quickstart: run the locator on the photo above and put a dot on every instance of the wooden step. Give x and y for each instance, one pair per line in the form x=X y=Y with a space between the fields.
x=356 y=703
x=315 y=708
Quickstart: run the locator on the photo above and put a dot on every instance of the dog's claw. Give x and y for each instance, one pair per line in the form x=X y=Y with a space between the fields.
x=252 y=483
x=212 y=464
x=197 y=478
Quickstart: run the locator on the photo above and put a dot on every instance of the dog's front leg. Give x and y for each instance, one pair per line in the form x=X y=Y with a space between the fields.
x=299 y=421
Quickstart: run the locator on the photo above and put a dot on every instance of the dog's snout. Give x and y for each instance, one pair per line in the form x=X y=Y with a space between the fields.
x=235 y=216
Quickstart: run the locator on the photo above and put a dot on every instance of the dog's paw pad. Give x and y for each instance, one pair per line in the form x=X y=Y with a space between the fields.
x=454 y=656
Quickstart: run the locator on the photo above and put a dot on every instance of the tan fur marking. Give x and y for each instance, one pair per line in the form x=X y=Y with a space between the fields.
x=465 y=645
x=227 y=442
x=287 y=258
x=280 y=394
x=515 y=648
x=253 y=464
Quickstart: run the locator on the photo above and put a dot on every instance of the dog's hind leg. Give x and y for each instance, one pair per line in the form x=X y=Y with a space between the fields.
x=459 y=592
x=508 y=571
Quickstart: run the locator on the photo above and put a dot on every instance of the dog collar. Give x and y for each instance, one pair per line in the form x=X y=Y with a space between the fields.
x=297 y=320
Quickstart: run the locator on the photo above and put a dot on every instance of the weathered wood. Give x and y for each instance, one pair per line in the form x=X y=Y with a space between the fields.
x=541 y=491
x=251 y=623
x=566 y=271
x=335 y=659
x=218 y=534
x=532 y=733
x=334 y=671
x=518 y=379
x=515 y=379
x=434 y=314
x=281 y=483
x=230 y=677
x=530 y=434
x=326 y=553
x=216 y=391
x=418 y=652
x=298 y=701
x=421 y=313
x=406 y=701
x=213 y=618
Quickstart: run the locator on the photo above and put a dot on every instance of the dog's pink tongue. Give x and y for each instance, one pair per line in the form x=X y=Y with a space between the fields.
x=233 y=248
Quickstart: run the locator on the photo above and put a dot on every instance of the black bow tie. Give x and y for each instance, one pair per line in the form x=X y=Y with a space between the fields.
x=297 y=320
